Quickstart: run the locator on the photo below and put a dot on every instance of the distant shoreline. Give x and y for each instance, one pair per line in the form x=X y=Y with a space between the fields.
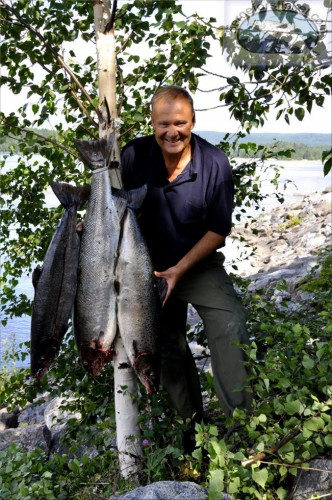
x=237 y=158
x=281 y=162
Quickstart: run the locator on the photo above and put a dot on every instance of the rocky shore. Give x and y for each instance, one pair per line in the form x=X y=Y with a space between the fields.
x=285 y=244
x=282 y=244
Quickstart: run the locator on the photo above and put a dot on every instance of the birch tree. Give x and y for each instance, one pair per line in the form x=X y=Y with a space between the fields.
x=125 y=384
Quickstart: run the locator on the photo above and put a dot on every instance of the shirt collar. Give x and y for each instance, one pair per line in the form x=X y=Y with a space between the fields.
x=158 y=172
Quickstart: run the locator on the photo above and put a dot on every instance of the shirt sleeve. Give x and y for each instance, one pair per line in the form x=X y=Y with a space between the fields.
x=128 y=166
x=135 y=162
x=221 y=196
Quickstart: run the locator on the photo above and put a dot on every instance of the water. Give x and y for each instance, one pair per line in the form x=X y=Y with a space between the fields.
x=307 y=176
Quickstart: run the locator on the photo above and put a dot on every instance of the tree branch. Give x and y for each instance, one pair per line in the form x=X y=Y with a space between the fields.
x=109 y=26
x=43 y=138
x=82 y=107
x=57 y=56
x=271 y=451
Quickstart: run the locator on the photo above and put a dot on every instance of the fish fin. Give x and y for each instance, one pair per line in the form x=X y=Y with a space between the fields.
x=161 y=285
x=135 y=348
x=96 y=154
x=35 y=276
x=134 y=197
x=70 y=195
x=121 y=206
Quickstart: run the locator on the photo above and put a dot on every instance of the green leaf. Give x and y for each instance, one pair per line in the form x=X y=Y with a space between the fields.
x=293 y=407
x=328 y=440
x=282 y=493
x=287 y=452
x=314 y=424
x=216 y=484
x=234 y=485
x=47 y=474
x=307 y=362
x=297 y=328
x=299 y=113
x=260 y=476
x=213 y=430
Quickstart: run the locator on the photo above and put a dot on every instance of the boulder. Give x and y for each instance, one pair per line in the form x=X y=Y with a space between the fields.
x=8 y=420
x=314 y=483
x=29 y=437
x=168 y=490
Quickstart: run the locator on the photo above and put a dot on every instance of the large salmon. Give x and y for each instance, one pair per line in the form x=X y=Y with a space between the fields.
x=95 y=324
x=55 y=284
x=139 y=306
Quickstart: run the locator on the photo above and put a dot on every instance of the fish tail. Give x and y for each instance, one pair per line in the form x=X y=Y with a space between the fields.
x=35 y=276
x=134 y=197
x=96 y=154
x=70 y=195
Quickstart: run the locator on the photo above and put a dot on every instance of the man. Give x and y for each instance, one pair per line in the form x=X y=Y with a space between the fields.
x=185 y=219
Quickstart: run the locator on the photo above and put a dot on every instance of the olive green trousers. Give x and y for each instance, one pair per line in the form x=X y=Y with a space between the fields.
x=209 y=290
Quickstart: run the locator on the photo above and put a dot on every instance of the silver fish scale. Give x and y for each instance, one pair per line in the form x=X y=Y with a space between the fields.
x=54 y=294
x=138 y=302
x=95 y=308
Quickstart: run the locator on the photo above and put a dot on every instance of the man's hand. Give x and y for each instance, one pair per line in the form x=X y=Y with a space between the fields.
x=172 y=275
x=79 y=227
x=206 y=246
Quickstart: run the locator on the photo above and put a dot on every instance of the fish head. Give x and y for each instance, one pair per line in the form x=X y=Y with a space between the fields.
x=93 y=357
x=39 y=371
x=148 y=371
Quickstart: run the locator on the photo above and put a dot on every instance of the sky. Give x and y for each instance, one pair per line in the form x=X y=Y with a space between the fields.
x=225 y=11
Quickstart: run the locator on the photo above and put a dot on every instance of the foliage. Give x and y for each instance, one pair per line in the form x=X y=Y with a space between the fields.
x=32 y=475
x=293 y=221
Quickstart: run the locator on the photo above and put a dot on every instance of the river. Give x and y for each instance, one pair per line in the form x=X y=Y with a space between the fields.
x=307 y=177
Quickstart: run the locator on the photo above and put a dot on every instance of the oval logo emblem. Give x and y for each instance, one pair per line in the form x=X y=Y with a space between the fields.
x=277 y=32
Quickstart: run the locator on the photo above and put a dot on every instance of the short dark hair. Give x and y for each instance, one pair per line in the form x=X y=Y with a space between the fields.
x=172 y=92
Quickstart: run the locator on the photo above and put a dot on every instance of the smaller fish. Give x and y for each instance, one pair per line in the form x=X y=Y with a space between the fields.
x=138 y=303
x=55 y=284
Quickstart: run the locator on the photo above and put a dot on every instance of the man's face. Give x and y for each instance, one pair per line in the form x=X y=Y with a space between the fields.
x=173 y=121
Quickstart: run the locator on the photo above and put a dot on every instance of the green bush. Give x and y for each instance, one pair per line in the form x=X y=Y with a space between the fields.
x=248 y=456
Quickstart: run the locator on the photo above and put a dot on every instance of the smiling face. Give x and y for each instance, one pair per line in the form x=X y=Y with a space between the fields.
x=173 y=121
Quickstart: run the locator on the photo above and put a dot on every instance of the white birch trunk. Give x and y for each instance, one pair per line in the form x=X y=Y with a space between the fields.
x=126 y=409
x=106 y=67
x=126 y=413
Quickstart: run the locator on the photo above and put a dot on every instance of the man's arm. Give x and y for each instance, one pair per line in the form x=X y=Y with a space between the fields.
x=204 y=247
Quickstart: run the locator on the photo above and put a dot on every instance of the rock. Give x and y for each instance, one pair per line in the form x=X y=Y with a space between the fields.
x=314 y=483
x=34 y=413
x=8 y=420
x=168 y=490
x=56 y=419
x=29 y=437
x=286 y=240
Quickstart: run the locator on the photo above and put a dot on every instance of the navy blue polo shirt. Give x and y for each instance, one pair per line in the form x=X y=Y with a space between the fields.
x=175 y=215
